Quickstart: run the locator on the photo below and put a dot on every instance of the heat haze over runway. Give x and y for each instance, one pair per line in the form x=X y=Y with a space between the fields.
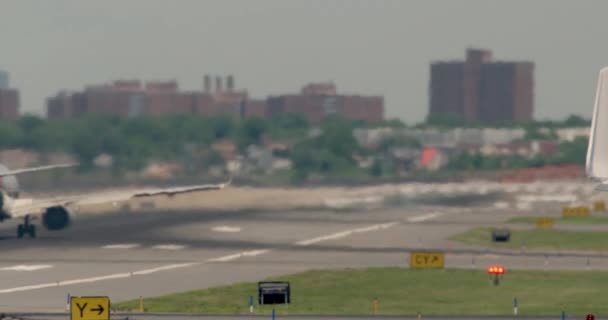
x=129 y=254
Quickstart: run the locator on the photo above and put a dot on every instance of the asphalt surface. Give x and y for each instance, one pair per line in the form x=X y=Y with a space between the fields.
x=148 y=316
x=131 y=254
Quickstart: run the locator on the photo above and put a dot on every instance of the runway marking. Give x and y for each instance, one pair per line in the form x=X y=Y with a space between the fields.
x=235 y=256
x=97 y=279
x=346 y=233
x=169 y=247
x=27 y=267
x=226 y=229
x=121 y=246
x=164 y=268
x=424 y=217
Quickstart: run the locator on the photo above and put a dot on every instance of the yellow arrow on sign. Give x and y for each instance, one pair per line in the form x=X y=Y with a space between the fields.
x=90 y=308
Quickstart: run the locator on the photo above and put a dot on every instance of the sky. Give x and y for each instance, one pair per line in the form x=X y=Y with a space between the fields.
x=272 y=47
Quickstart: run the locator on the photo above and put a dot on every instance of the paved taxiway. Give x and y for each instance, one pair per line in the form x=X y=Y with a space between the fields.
x=151 y=316
x=131 y=254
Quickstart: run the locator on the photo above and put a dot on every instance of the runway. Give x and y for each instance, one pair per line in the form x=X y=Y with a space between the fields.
x=131 y=254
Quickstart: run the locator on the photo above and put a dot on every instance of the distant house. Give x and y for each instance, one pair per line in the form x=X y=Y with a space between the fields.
x=19 y=158
x=259 y=158
x=103 y=160
x=434 y=158
x=525 y=149
x=161 y=170
x=226 y=149
x=570 y=134
x=403 y=159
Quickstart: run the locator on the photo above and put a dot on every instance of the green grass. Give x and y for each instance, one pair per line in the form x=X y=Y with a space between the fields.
x=560 y=220
x=405 y=292
x=539 y=239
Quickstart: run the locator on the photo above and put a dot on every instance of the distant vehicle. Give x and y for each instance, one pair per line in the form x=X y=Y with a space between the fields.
x=56 y=213
x=596 y=165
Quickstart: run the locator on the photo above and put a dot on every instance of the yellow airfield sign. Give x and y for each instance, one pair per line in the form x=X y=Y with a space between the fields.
x=426 y=260
x=599 y=206
x=543 y=223
x=90 y=308
x=575 y=212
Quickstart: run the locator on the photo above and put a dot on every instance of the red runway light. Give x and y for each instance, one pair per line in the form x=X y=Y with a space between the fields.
x=496 y=270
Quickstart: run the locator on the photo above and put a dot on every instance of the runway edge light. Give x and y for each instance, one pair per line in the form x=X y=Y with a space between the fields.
x=496 y=272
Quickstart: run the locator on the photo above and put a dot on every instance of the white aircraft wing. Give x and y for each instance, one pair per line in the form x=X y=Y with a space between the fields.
x=34 y=169
x=22 y=207
x=596 y=166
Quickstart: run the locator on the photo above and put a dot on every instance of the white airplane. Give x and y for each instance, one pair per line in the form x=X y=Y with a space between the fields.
x=56 y=213
x=596 y=165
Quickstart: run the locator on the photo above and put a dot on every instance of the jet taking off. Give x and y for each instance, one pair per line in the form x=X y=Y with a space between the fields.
x=596 y=165
x=56 y=213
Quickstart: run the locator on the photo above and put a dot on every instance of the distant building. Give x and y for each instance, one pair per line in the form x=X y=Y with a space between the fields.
x=570 y=134
x=133 y=98
x=433 y=158
x=479 y=89
x=9 y=98
x=4 y=80
x=9 y=104
x=317 y=101
x=442 y=138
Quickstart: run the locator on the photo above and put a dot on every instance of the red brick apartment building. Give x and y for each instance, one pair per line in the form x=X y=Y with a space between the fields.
x=9 y=98
x=480 y=89
x=319 y=100
x=132 y=98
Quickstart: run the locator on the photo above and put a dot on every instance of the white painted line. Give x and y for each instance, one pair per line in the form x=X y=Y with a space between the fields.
x=27 y=267
x=96 y=279
x=424 y=217
x=226 y=258
x=324 y=238
x=164 y=268
x=255 y=252
x=169 y=247
x=346 y=233
x=121 y=246
x=235 y=256
x=226 y=229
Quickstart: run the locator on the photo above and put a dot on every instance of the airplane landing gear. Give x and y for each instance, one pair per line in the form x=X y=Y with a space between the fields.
x=26 y=228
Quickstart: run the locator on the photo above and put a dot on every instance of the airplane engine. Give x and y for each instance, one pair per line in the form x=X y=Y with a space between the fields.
x=3 y=213
x=56 y=218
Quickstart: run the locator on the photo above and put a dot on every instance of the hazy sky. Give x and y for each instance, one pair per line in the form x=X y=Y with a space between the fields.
x=276 y=46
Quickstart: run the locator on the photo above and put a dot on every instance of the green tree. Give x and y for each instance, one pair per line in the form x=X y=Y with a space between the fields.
x=576 y=121
x=376 y=168
x=445 y=119
x=393 y=141
x=251 y=131
x=572 y=152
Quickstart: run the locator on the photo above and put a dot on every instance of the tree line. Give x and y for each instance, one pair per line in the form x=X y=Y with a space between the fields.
x=133 y=142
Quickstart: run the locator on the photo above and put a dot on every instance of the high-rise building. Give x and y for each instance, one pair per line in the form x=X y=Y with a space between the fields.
x=479 y=89
x=4 y=79
x=9 y=98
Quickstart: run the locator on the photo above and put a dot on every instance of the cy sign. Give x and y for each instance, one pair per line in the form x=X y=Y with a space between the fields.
x=426 y=260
